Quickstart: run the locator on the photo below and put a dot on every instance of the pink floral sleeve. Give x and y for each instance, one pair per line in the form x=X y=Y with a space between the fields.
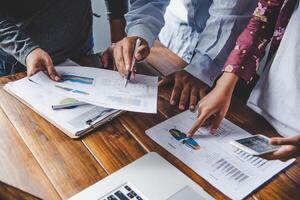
x=251 y=44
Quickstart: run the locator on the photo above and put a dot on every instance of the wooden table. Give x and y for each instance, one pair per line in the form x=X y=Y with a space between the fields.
x=37 y=158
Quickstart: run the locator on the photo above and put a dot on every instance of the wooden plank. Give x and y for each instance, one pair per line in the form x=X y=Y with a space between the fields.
x=113 y=146
x=68 y=164
x=281 y=187
x=17 y=164
x=10 y=193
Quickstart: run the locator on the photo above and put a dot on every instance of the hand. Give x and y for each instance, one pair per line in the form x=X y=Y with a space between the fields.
x=39 y=60
x=290 y=148
x=213 y=107
x=107 y=57
x=123 y=53
x=187 y=89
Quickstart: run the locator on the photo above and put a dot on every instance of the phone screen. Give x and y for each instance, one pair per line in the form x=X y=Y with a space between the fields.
x=258 y=144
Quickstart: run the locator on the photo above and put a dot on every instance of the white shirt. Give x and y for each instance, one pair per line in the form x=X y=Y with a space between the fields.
x=277 y=94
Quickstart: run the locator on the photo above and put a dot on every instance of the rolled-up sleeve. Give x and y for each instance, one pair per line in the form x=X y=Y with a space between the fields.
x=227 y=20
x=13 y=41
x=116 y=9
x=146 y=18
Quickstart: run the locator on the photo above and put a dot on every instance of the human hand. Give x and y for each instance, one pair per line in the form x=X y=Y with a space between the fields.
x=213 y=107
x=290 y=148
x=123 y=53
x=107 y=57
x=187 y=89
x=39 y=60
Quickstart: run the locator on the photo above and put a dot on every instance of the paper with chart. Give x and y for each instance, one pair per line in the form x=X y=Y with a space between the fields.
x=104 y=88
x=232 y=171
x=74 y=121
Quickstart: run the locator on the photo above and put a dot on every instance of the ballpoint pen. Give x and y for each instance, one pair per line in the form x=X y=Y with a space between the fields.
x=68 y=105
x=128 y=76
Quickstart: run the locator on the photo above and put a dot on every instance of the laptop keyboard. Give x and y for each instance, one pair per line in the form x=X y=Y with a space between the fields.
x=125 y=192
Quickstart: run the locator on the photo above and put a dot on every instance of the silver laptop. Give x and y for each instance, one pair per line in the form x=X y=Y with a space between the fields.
x=148 y=178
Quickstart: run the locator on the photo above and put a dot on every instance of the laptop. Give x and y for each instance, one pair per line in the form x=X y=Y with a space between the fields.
x=149 y=178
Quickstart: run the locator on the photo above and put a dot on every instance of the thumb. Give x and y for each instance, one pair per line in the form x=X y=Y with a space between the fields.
x=285 y=141
x=166 y=80
x=51 y=71
x=142 y=52
x=216 y=123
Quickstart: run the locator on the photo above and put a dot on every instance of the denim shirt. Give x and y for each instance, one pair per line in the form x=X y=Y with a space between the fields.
x=215 y=23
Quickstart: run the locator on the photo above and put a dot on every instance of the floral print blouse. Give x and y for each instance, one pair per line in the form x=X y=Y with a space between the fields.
x=268 y=23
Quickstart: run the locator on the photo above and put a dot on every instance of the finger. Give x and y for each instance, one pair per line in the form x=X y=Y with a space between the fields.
x=201 y=119
x=175 y=93
x=285 y=141
x=51 y=71
x=142 y=52
x=281 y=154
x=193 y=98
x=184 y=97
x=216 y=123
x=209 y=121
x=166 y=80
x=128 y=51
x=119 y=60
x=202 y=93
x=105 y=59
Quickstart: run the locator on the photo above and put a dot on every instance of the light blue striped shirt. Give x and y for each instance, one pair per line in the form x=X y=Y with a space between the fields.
x=217 y=24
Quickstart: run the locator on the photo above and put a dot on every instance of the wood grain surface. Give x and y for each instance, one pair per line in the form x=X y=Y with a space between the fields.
x=36 y=158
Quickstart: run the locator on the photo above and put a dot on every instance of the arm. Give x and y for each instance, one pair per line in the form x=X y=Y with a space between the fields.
x=226 y=22
x=146 y=18
x=13 y=41
x=21 y=46
x=250 y=46
x=116 y=9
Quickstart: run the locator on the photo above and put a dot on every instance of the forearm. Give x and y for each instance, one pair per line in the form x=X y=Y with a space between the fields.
x=116 y=9
x=13 y=41
x=251 y=44
x=227 y=82
x=117 y=29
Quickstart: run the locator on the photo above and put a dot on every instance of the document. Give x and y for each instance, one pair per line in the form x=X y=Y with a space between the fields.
x=103 y=88
x=232 y=171
x=74 y=121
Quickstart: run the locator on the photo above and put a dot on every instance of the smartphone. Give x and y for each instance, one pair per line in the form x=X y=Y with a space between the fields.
x=255 y=145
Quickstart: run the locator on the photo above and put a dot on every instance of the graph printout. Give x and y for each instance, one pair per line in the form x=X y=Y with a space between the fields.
x=103 y=88
x=232 y=171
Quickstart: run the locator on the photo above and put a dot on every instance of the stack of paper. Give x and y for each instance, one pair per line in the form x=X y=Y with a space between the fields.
x=101 y=92
x=232 y=171
x=74 y=122
x=103 y=88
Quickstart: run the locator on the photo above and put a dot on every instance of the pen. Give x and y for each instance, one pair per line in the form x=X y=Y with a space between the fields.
x=68 y=105
x=137 y=44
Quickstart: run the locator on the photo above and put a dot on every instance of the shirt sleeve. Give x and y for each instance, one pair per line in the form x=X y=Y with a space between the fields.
x=13 y=41
x=145 y=19
x=226 y=21
x=251 y=44
x=116 y=9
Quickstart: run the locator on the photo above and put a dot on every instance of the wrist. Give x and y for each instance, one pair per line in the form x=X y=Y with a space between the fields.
x=227 y=82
